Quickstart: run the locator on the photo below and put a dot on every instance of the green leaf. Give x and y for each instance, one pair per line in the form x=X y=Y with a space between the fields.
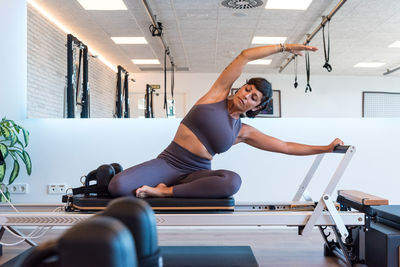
x=14 y=172
x=8 y=195
x=26 y=159
x=4 y=150
x=20 y=143
x=5 y=132
x=13 y=138
x=26 y=136
x=14 y=125
x=28 y=162
x=17 y=128
x=2 y=172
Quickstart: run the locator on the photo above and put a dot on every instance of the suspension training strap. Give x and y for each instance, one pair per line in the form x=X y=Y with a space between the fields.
x=327 y=48
x=295 y=72
x=173 y=82
x=308 y=87
x=172 y=88
x=165 y=82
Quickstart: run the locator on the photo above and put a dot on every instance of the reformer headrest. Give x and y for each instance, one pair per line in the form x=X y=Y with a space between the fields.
x=98 y=241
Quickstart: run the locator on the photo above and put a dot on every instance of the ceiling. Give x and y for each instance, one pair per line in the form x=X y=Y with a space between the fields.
x=204 y=36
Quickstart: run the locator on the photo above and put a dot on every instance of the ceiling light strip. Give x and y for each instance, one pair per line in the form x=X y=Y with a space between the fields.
x=68 y=31
x=309 y=37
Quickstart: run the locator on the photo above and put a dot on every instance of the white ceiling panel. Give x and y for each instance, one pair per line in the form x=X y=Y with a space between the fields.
x=204 y=36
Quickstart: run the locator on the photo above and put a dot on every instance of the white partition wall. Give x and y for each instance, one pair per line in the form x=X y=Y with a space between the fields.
x=62 y=150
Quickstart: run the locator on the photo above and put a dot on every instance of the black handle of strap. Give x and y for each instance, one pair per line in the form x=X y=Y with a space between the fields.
x=340 y=149
x=327 y=48
x=84 y=190
x=307 y=58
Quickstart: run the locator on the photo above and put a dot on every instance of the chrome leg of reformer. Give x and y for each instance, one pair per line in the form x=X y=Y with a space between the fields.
x=28 y=241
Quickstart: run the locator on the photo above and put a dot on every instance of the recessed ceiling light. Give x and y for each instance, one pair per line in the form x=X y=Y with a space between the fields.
x=129 y=40
x=103 y=4
x=268 y=40
x=369 y=65
x=260 y=62
x=288 y=4
x=145 y=61
x=395 y=44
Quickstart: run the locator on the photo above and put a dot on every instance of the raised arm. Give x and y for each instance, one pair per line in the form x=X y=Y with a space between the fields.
x=255 y=138
x=220 y=89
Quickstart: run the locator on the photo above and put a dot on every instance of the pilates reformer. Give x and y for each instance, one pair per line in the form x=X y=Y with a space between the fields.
x=223 y=212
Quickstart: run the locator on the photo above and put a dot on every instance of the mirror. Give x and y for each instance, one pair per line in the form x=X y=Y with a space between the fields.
x=113 y=74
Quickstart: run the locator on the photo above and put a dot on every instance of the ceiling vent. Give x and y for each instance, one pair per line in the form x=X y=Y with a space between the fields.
x=242 y=4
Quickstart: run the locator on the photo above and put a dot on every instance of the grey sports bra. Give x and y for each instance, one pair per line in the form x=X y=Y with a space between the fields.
x=213 y=125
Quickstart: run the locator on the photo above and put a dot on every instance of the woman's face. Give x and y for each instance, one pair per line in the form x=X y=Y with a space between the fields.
x=247 y=98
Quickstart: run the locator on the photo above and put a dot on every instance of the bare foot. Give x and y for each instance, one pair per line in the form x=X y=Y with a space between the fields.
x=160 y=190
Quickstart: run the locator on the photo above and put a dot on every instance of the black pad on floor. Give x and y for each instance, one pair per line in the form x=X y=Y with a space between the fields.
x=208 y=256
x=83 y=203
x=191 y=256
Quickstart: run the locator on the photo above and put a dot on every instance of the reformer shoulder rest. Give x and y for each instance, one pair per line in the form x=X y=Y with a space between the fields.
x=363 y=198
x=87 y=203
x=376 y=207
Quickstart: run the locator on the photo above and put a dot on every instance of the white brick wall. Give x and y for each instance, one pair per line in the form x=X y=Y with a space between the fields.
x=47 y=68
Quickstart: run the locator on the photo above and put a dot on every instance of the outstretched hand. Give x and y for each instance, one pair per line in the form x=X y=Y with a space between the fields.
x=298 y=48
x=336 y=142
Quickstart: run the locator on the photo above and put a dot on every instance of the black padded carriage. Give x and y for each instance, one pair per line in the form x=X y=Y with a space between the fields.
x=388 y=215
x=82 y=203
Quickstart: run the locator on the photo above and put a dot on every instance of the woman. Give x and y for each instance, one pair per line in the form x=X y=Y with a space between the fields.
x=212 y=126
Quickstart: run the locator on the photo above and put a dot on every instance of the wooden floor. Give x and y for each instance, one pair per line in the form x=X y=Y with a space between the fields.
x=271 y=247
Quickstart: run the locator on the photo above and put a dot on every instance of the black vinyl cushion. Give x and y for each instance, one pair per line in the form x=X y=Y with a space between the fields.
x=388 y=215
x=139 y=218
x=98 y=202
x=99 y=241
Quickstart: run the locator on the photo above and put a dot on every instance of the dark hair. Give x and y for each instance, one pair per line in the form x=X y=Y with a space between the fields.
x=265 y=88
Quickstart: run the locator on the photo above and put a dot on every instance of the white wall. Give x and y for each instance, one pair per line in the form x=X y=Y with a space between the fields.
x=47 y=70
x=63 y=150
x=332 y=96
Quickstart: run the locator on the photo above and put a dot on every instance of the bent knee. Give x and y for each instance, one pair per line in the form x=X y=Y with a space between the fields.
x=115 y=187
x=233 y=183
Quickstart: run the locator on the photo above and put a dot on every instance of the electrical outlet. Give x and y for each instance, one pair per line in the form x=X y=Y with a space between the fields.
x=18 y=188
x=56 y=189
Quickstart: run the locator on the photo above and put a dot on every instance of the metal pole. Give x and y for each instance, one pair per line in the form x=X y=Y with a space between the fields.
x=147 y=110
x=309 y=37
x=70 y=73
x=388 y=71
x=154 y=22
x=126 y=88
x=119 y=93
x=85 y=89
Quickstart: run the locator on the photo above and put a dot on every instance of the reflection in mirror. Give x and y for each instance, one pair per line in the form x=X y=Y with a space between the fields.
x=202 y=40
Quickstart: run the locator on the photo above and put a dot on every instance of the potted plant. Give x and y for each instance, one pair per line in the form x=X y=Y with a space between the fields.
x=11 y=151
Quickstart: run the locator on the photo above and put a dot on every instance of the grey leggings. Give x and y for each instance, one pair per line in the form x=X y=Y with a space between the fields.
x=189 y=174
